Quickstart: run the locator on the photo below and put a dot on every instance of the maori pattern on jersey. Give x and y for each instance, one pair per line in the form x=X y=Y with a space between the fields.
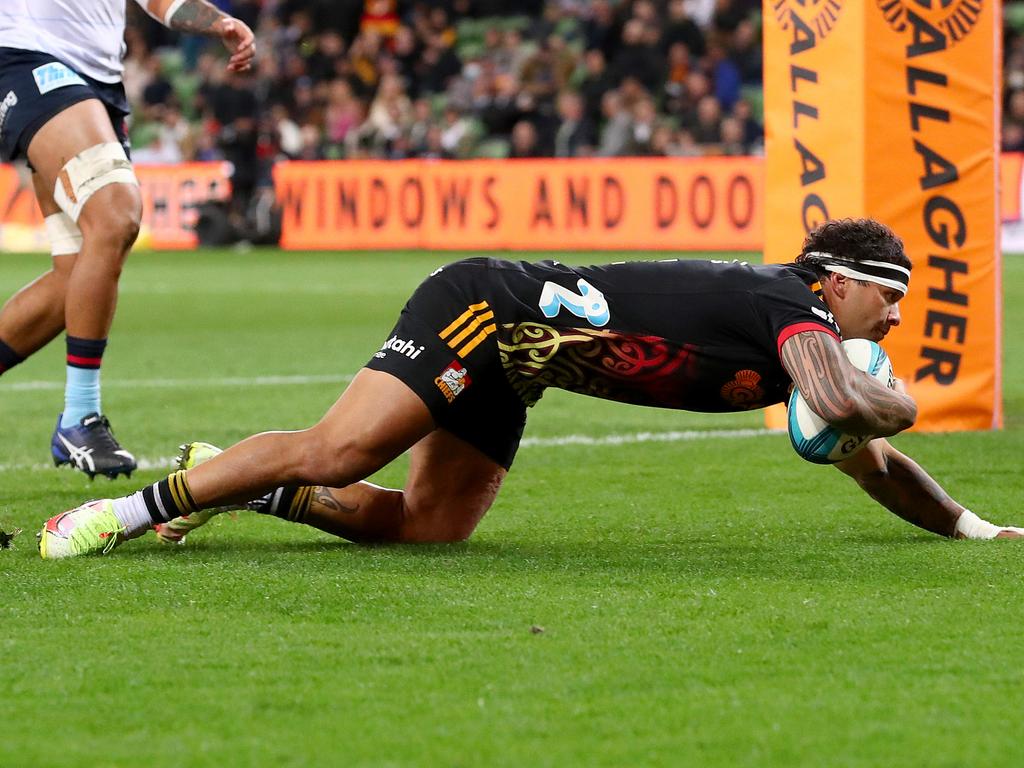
x=645 y=370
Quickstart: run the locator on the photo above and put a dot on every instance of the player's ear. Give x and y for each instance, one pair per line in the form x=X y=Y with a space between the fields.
x=839 y=284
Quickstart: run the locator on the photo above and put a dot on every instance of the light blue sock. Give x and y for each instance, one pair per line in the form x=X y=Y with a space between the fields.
x=81 y=395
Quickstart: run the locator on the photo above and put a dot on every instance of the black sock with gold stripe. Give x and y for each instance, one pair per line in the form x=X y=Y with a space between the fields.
x=288 y=502
x=170 y=498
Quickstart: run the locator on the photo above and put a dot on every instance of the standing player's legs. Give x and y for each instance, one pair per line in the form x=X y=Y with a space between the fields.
x=83 y=170
x=34 y=316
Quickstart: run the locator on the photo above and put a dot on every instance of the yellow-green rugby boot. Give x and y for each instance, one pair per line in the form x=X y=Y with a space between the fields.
x=89 y=529
x=175 y=531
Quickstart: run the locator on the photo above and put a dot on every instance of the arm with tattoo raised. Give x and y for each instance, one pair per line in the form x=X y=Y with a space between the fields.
x=199 y=17
x=845 y=397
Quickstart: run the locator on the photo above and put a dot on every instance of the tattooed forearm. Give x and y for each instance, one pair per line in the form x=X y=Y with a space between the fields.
x=841 y=395
x=325 y=500
x=813 y=362
x=906 y=490
x=196 y=16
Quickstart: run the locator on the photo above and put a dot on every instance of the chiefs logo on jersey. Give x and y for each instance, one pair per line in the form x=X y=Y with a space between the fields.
x=744 y=392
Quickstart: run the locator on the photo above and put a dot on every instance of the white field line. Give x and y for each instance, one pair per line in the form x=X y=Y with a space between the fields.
x=688 y=435
x=645 y=437
x=230 y=381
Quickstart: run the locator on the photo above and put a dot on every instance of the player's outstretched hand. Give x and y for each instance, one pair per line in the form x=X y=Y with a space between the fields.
x=240 y=42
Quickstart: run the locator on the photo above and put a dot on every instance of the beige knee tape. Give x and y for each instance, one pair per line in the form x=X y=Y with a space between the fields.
x=90 y=170
x=65 y=236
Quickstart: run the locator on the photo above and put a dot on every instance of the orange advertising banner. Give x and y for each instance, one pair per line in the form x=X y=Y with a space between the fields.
x=889 y=109
x=615 y=204
x=171 y=196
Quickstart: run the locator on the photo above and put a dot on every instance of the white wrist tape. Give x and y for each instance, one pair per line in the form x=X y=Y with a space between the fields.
x=65 y=236
x=970 y=526
x=88 y=171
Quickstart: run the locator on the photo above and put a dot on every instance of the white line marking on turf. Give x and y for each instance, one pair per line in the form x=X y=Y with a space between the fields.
x=231 y=381
x=646 y=437
x=162 y=463
x=530 y=442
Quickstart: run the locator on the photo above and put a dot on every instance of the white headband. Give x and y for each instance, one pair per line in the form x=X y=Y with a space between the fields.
x=881 y=272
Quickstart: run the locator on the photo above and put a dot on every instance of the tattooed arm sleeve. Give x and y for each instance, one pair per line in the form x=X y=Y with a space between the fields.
x=201 y=18
x=840 y=394
x=195 y=16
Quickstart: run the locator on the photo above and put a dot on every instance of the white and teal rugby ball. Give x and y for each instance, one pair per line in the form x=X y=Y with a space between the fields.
x=813 y=437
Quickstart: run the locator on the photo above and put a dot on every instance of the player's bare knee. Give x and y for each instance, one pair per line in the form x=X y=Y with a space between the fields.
x=113 y=219
x=439 y=521
x=431 y=531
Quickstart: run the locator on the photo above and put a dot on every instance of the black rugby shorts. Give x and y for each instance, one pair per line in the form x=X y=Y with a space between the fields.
x=444 y=348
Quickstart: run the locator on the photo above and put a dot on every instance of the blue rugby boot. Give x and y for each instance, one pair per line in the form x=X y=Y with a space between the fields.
x=91 y=447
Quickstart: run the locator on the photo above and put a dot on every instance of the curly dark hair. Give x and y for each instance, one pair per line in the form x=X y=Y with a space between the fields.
x=857 y=240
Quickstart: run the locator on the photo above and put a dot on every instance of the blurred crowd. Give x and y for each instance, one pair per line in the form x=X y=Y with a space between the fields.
x=468 y=78
x=1013 y=77
x=454 y=79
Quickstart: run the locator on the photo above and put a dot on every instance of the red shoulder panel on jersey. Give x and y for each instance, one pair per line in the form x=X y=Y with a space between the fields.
x=792 y=330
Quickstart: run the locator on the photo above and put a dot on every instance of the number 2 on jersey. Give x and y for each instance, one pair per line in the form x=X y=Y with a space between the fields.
x=589 y=302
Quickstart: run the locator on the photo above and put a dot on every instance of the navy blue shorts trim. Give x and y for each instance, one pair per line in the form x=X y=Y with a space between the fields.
x=36 y=86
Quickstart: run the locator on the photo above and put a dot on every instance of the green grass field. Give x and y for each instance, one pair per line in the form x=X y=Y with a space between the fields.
x=704 y=602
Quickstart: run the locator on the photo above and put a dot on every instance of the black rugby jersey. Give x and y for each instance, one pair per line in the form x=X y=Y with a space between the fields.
x=693 y=335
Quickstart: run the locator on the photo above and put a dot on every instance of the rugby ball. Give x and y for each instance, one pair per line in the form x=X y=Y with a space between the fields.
x=813 y=437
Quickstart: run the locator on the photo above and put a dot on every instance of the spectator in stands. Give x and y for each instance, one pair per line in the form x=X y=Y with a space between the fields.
x=420 y=124
x=157 y=91
x=642 y=130
x=391 y=109
x=454 y=132
x=747 y=53
x=364 y=60
x=502 y=110
x=731 y=132
x=312 y=145
x=524 y=141
x=547 y=71
x=682 y=29
x=575 y=136
x=380 y=17
x=676 y=71
x=708 y=128
x=685 y=145
x=436 y=67
x=342 y=114
x=405 y=49
x=1013 y=122
x=287 y=133
x=684 y=107
x=638 y=56
x=724 y=74
x=662 y=142
x=323 y=63
x=615 y=135
x=753 y=131
x=602 y=29
x=513 y=54
x=595 y=83
x=434 y=149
